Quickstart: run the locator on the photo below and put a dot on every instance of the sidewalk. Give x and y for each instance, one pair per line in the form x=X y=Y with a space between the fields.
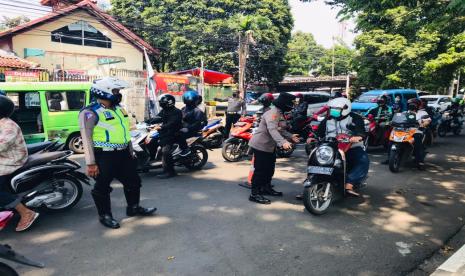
x=455 y=265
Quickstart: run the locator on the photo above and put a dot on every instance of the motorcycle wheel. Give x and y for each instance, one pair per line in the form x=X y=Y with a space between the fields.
x=6 y=270
x=198 y=158
x=232 y=152
x=394 y=161
x=314 y=201
x=442 y=131
x=67 y=185
x=457 y=131
x=282 y=153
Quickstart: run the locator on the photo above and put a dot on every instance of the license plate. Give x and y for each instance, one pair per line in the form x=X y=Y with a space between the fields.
x=320 y=170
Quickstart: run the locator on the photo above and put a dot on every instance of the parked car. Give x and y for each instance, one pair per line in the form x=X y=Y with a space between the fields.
x=368 y=99
x=49 y=110
x=438 y=102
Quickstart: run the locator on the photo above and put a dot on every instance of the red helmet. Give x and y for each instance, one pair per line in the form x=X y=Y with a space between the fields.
x=266 y=99
x=299 y=96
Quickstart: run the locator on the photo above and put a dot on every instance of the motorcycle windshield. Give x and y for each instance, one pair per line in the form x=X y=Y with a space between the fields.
x=404 y=120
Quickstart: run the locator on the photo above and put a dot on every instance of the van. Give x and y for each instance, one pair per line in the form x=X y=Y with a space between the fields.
x=49 y=110
x=368 y=100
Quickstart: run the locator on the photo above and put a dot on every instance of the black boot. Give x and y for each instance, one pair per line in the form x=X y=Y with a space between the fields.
x=259 y=199
x=136 y=210
x=271 y=192
x=107 y=220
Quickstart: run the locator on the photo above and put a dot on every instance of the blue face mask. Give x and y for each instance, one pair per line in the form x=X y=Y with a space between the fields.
x=335 y=113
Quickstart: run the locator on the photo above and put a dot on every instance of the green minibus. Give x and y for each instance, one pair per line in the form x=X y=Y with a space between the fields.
x=49 y=110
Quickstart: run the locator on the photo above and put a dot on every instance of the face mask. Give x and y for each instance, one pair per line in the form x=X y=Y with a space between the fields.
x=335 y=113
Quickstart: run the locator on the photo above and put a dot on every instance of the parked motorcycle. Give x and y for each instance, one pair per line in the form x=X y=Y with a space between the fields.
x=450 y=124
x=404 y=126
x=237 y=147
x=326 y=174
x=374 y=137
x=49 y=180
x=7 y=253
x=45 y=146
x=149 y=153
x=212 y=134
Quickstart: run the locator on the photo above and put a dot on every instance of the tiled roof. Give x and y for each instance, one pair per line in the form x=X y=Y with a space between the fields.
x=12 y=61
x=105 y=19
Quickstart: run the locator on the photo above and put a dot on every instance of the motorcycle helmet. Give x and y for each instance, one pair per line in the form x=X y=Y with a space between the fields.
x=266 y=99
x=339 y=107
x=285 y=102
x=190 y=98
x=2 y=93
x=413 y=104
x=200 y=100
x=103 y=89
x=382 y=100
x=166 y=101
x=6 y=107
x=423 y=103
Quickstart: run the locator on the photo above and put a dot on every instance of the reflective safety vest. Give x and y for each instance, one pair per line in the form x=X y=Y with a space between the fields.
x=112 y=128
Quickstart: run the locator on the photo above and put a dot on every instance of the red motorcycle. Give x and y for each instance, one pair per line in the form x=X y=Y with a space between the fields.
x=7 y=253
x=237 y=147
x=375 y=137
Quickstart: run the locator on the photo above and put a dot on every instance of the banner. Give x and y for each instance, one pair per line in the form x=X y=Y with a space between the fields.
x=15 y=76
x=151 y=93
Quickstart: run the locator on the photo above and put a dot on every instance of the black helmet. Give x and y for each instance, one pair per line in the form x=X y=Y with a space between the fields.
x=285 y=102
x=6 y=107
x=335 y=94
x=167 y=101
x=266 y=99
x=413 y=104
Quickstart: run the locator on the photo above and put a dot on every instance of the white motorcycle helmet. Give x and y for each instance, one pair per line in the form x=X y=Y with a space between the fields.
x=342 y=104
x=103 y=89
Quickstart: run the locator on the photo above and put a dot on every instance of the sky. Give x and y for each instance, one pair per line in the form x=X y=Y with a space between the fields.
x=315 y=17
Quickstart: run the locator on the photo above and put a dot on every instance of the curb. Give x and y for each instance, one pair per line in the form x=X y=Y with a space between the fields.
x=453 y=266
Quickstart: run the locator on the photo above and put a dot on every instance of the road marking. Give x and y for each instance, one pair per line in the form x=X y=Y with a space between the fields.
x=403 y=248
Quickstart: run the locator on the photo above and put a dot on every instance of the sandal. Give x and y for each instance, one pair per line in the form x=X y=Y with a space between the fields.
x=350 y=190
x=32 y=219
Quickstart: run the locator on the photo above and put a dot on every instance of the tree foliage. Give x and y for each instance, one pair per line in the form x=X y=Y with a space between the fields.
x=185 y=31
x=407 y=43
x=11 y=22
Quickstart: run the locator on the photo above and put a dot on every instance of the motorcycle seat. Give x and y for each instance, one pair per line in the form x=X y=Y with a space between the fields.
x=36 y=147
x=43 y=158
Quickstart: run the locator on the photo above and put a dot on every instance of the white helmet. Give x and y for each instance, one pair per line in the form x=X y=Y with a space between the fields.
x=341 y=103
x=102 y=88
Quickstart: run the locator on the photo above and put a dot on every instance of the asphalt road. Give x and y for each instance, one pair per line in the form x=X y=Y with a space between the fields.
x=206 y=226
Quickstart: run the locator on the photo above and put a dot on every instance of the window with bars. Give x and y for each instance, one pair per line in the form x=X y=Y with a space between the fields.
x=81 y=33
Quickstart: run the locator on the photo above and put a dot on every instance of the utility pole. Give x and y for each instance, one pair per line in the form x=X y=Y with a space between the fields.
x=458 y=84
x=245 y=39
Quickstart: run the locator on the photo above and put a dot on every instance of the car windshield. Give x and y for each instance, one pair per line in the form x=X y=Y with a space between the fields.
x=366 y=99
x=431 y=100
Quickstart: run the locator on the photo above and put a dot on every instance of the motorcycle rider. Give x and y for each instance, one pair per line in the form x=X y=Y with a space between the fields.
x=455 y=110
x=170 y=118
x=193 y=120
x=423 y=120
x=13 y=156
x=108 y=154
x=236 y=108
x=325 y=109
x=270 y=133
x=266 y=99
x=342 y=120
x=382 y=115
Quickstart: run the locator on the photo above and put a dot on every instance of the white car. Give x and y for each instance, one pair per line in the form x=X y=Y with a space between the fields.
x=438 y=102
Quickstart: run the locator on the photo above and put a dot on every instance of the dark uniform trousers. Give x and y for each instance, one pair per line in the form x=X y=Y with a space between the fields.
x=167 y=158
x=115 y=165
x=264 y=166
x=231 y=119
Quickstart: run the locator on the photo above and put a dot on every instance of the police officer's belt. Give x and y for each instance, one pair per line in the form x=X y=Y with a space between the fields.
x=109 y=149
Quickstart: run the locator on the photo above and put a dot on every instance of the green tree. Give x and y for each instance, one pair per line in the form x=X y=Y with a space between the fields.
x=185 y=31
x=303 y=54
x=343 y=56
x=11 y=22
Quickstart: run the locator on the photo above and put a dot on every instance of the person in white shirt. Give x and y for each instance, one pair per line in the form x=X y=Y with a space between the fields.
x=423 y=120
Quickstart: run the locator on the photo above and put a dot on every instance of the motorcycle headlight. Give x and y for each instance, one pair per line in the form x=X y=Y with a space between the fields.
x=324 y=155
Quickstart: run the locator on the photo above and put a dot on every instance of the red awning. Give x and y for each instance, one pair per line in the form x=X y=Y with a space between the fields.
x=210 y=76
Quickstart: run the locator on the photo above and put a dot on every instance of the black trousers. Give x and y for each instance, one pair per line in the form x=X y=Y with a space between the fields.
x=167 y=158
x=264 y=166
x=231 y=119
x=7 y=199
x=419 y=147
x=182 y=137
x=115 y=165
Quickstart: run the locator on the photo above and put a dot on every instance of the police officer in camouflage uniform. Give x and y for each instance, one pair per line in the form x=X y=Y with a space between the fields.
x=108 y=153
x=271 y=133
